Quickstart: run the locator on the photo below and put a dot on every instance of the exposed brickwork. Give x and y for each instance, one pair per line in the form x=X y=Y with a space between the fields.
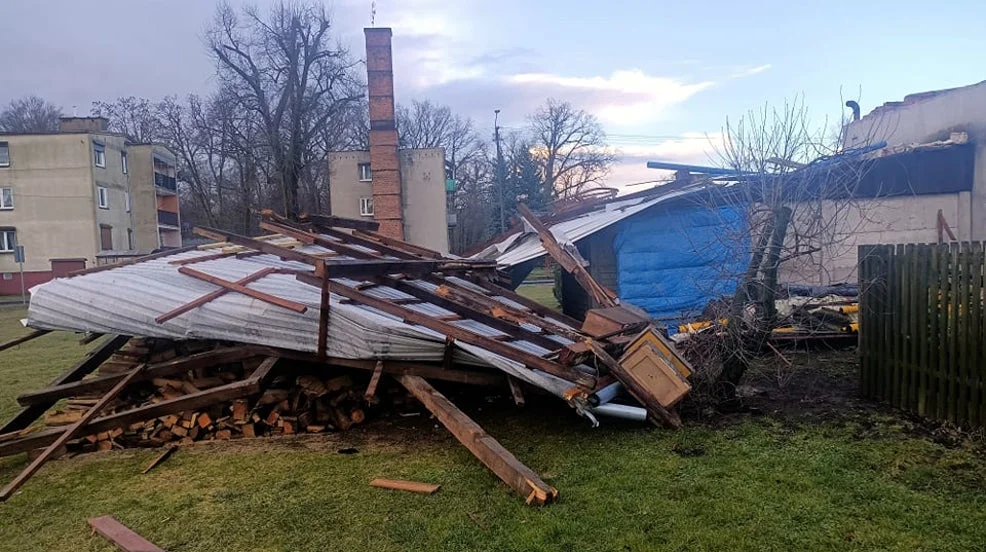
x=387 y=204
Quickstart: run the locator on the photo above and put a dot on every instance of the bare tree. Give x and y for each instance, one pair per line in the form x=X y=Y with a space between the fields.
x=284 y=68
x=798 y=189
x=571 y=147
x=30 y=114
x=136 y=118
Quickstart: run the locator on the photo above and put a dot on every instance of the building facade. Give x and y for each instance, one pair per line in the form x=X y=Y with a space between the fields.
x=422 y=200
x=81 y=197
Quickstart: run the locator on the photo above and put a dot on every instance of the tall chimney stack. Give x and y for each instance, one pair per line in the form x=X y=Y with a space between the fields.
x=388 y=208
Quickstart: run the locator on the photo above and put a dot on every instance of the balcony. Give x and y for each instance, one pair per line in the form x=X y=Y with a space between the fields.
x=167 y=218
x=166 y=182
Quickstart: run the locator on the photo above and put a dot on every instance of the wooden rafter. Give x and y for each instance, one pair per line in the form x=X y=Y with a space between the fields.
x=23 y=339
x=240 y=288
x=213 y=295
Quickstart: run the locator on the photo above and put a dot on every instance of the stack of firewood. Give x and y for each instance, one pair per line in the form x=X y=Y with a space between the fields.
x=290 y=404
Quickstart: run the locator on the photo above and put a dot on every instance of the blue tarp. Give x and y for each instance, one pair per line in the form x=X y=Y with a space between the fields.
x=672 y=262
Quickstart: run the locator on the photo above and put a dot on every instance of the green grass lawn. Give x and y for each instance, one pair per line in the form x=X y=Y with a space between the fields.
x=858 y=482
x=543 y=294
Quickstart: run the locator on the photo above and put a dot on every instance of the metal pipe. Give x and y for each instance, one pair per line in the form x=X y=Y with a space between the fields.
x=623 y=411
x=720 y=171
x=606 y=394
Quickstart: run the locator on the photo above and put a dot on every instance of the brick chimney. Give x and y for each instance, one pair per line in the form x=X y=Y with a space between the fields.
x=83 y=124
x=388 y=209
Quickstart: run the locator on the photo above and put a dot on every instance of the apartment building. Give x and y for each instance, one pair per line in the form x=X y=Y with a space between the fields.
x=403 y=190
x=80 y=197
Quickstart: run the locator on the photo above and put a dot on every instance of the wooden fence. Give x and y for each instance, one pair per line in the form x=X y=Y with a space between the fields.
x=921 y=329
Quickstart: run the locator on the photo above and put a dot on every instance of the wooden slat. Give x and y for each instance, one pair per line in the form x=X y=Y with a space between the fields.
x=371 y=389
x=23 y=339
x=411 y=486
x=499 y=460
x=260 y=245
x=331 y=221
x=67 y=435
x=953 y=334
x=535 y=307
x=213 y=295
x=27 y=415
x=398 y=245
x=944 y=317
x=121 y=536
x=239 y=288
x=168 y=451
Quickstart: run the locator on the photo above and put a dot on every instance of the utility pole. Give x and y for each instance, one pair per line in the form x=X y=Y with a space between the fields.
x=499 y=169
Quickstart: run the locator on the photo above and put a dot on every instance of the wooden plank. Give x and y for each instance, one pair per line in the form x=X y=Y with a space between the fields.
x=944 y=316
x=23 y=339
x=899 y=337
x=535 y=307
x=400 y=485
x=515 y=390
x=27 y=415
x=121 y=536
x=908 y=326
x=168 y=451
x=398 y=245
x=68 y=434
x=980 y=337
x=163 y=369
x=331 y=221
x=934 y=309
x=213 y=295
x=123 y=419
x=976 y=359
x=461 y=334
x=953 y=333
x=922 y=333
x=499 y=460
x=962 y=408
x=598 y=292
x=265 y=247
x=239 y=288
x=656 y=412
x=371 y=389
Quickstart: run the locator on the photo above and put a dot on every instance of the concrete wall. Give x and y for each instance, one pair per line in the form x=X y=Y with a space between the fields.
x=117 y=184
x=927 y=117
x=423 y=192
x=878 y=221
x=144 y=197
x=54 y=199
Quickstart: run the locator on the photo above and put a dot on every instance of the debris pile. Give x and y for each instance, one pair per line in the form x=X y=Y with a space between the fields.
x=262 y=336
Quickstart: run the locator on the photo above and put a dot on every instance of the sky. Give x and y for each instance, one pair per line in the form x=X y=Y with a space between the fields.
x=662 y=76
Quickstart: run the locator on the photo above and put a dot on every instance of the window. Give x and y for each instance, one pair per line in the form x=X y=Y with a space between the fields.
x=366 y=206
x=126 y=199
x=123 y=161
x=6 y=198
x=102 y=197
x=8 y=239
x=105 y=237
x=365 y=174
x=99 y=154
x=4 y=154
x=130 y=239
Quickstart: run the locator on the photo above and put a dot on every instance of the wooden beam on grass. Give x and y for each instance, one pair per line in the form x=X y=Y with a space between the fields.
x=27 y=415
x=192 y=401
x=401 y=485
x=240 y=288
x=122 y=536
x=54 y=393
x=213 y=295
x=466 y=336
x=499 y=460
x=168 y=451
x=67 y=435
x=23 y=339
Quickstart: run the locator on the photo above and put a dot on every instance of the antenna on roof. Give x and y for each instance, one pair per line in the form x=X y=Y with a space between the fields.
x=373 y=12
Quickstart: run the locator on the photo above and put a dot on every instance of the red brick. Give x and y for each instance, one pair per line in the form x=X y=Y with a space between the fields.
x=386 y=182
x=383 y=138
x=383 y=159
x=378 y=36
x=380 y=83
x=392 y=229
x=379 y=58
x=386 y=206
x=381 y=108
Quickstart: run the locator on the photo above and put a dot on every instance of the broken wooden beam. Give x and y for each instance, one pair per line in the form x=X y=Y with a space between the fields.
x=371 y=389
x=499 y=460
x=27 y=415
x=121 y=536
x=23 y=339
x=331 y=221
x=68 y=434
x=401 y=485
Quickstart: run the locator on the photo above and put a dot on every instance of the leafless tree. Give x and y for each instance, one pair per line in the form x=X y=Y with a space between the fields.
x=30 y=114
x=798 y=190
x=283 y=67
x=570 y=146
x=136 y=118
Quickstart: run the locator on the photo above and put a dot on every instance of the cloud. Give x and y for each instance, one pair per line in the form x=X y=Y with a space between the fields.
x=749 y=71
x=694 y=148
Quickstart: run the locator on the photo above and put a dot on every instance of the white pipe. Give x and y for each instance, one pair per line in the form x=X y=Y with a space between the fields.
x=609 y=392
x=634 y=413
